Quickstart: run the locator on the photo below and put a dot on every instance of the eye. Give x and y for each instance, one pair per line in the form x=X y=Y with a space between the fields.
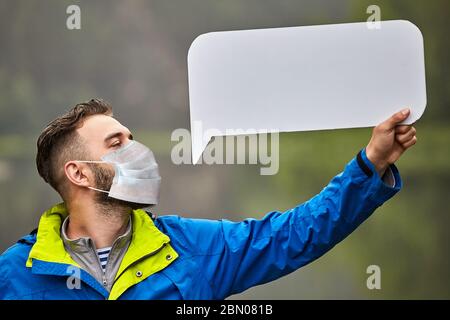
x=116 y=144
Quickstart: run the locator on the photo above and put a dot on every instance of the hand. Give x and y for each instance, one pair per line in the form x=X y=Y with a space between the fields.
x=389 y=141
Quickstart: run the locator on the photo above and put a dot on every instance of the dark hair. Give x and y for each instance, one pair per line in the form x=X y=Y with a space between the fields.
x=59 y=141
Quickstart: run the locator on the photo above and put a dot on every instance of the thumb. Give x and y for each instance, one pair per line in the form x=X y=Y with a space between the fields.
x=395 y=119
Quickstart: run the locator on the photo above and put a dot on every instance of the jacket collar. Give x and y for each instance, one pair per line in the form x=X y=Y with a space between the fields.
x=49 y=245
x=147 y=241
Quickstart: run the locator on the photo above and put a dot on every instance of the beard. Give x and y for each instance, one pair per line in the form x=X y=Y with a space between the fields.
x=103 y=180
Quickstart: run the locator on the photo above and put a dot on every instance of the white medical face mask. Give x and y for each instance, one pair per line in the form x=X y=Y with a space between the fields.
x=136 y=177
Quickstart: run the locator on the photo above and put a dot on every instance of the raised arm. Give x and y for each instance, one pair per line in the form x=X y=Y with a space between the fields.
x=237 y=255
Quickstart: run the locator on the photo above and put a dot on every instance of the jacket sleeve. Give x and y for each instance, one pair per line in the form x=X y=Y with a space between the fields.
x=237 y=255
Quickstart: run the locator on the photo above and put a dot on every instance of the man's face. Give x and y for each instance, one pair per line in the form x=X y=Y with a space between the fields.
x=104 y=134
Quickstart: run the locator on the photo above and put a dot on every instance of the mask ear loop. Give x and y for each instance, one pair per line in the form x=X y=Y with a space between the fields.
x=100 y=190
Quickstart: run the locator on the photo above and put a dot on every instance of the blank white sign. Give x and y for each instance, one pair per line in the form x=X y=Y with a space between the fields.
x=304 y=78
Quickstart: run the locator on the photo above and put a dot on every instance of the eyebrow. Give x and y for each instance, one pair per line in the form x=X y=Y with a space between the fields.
x=116 y=135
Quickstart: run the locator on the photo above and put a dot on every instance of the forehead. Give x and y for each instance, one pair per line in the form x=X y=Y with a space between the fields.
x=99 y=126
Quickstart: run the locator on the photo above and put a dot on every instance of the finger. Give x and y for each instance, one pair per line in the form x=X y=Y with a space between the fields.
x=402 y=138
x=395 y=119
x=403 y=128
x=410 y=143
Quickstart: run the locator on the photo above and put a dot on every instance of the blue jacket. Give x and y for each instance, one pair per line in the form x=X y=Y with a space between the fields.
x=171 y=257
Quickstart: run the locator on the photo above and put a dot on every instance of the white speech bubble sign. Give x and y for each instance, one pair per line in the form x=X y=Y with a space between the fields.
x=304 y=78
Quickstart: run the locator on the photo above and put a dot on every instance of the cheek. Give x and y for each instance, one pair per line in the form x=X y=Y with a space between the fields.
x=99 y=152
x=111 y=170
x=105 y=171
x=95 y=150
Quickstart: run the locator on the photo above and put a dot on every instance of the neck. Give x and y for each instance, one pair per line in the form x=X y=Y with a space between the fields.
x=101 y=223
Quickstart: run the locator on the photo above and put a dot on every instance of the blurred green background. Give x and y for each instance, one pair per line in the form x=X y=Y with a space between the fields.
x=133 y=54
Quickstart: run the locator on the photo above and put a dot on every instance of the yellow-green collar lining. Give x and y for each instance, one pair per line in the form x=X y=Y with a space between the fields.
x=49 y=246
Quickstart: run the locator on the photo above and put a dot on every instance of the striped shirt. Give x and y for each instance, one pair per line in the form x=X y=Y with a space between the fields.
x=103 y=256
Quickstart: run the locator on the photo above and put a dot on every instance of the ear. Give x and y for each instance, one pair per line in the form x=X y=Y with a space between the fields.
x=78 y=173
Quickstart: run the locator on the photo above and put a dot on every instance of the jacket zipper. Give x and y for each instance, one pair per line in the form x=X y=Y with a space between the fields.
x=103 y=274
